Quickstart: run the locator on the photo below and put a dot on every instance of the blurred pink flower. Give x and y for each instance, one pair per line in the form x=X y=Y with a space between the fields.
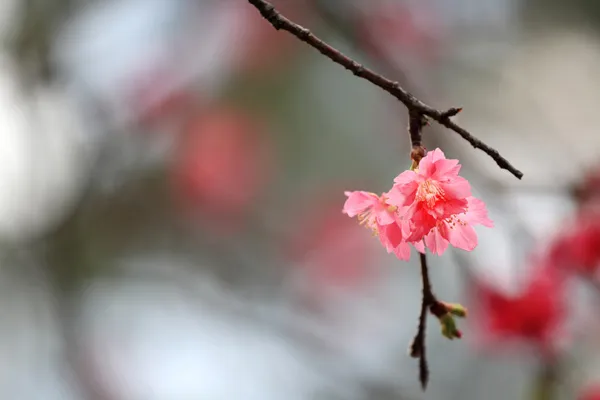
x=222 y=162
x=262 y=48
x=591 y=392
x=331 y=251
x=393 y=28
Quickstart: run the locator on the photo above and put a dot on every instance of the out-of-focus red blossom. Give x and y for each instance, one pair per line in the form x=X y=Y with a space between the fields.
x=591 y=392
x=331 y=250
x=536 y=315
x=577 y=247
x=221 y=164
x=262 y=48
x=394 y=27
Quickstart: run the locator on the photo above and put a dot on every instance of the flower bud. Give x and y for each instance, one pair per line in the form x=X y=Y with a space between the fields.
x=455 y=309
x=449 y=327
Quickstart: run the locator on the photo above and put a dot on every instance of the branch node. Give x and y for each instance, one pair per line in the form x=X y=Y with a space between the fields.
x=304 y=34
x=451 y=112
x=358 y=69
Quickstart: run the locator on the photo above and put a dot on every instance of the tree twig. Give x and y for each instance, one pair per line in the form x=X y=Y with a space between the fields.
x=428 y=300
x=443 y=117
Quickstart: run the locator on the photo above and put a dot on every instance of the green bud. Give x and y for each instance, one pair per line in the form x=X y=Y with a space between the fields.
x=456 y=309
x=449 y=329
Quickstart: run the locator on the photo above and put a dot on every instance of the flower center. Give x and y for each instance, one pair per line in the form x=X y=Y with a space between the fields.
x=430 y=193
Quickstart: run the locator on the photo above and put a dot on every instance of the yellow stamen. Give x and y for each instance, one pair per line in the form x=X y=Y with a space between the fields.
x=430 y=193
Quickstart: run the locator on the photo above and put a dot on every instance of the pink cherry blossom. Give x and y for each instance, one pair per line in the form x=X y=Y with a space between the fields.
x=430 y=206
x=374 y=212
x=457 y=229
x=431 y=193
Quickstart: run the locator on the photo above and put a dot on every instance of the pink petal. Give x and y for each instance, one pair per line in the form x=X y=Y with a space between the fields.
x=435 y=242
x=426 y=165
x=359 y=201
x=477 y=213
x=420 y=223
x=420 y=246
x=436 y=155
x=404 y=189
x=384 y=217
x=405 y=178
x=402 y=251
x=458 y=187
x=390 y=236
x=445 y=169
x=455 y=206
x=406 y=226
x=462 y=236
x=445 y=209
x=397 y=196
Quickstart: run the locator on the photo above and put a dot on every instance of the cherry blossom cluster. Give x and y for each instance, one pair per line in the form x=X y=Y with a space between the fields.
x=429 y=205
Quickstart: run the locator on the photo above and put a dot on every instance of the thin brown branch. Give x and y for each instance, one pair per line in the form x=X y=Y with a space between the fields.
x=416 y=122
x=428 y=300
x=443 y=117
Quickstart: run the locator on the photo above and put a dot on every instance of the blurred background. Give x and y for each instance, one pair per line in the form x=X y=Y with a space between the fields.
x=172 y=181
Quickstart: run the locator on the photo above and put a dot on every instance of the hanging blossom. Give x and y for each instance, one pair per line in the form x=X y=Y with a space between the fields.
x=429 y=206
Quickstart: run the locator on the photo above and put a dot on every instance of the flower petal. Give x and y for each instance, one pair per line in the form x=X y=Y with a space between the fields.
x=405 y=178
x=420 y=223
x=477 y=213
x=457 y=187
x=426 y=165
x=435 y=242
x=390 y=236
x=403 y=251
x=398 y=197
x=445 y=169
x=359 y=201
x=384 y=217
x=420 y=246
x=436 y=155
x=404 y=190
x=462 y=236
